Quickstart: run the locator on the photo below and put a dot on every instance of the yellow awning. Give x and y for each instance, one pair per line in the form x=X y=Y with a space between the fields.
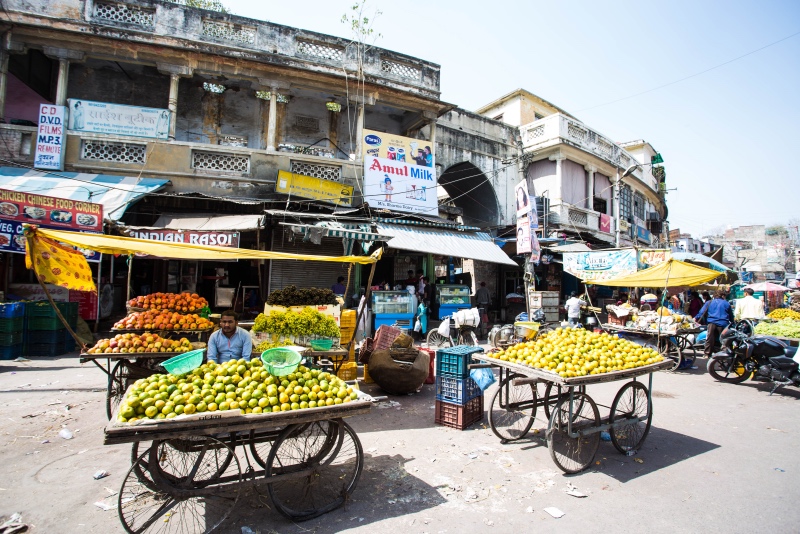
x=671 y=273
x=108 y=244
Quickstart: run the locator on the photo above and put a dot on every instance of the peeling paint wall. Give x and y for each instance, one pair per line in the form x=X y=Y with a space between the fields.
x=123 y=83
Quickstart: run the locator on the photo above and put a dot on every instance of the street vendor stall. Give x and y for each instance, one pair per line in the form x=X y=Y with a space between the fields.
x=665 y=328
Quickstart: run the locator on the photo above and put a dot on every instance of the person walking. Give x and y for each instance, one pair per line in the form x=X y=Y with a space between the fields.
x=573 y=307
x=749 y=307
x=718 y=315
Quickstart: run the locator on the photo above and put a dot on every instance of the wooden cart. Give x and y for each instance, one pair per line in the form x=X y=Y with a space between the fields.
x=186 y=475
x=573 y=420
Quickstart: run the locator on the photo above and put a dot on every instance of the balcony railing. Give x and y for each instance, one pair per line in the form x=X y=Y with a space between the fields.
x=556 y=129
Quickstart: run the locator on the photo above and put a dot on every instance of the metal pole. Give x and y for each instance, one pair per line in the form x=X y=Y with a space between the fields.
x=616 y=211
x=130 y=271
x=99 y=274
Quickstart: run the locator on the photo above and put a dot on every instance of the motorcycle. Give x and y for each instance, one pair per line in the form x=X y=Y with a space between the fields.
x=762 y=357
x=508 y=334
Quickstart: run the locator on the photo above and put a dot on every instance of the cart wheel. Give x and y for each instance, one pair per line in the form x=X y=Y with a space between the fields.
x=685 y=343
x=117 y=385
x=176 y=457
x=512 y=410
x=543 y=331
x=551 y=398
x=632 y=401
x=326 y=434
x=334 y=470
x=573 y=455
x=671 y=351
x=435 y=339
x=143 y=509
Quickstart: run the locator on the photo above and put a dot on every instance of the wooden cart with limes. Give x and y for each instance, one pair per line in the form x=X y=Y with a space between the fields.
x=188 y=473
x=573 y=420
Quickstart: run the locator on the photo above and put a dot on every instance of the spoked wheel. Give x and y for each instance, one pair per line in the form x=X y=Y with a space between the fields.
x=544 y=330
x=435 y=339
x=670 y=351
x=176 y=456
x=512 y=410
x=468 y=337
x=180 y=507
x=633 y=403
x=573 y=455
x=685 y=344
x=728 y=369
x=551 y=397
x=117 y=385
x=324 y=438
x=332 y=469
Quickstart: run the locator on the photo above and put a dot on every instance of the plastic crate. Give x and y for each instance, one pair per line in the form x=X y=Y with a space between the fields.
x=11 y=338
x=43 y=349
x=46 y=336
x=16 y=324
x=346 y=334
x=47 y=323
x=348 y=371
x=69 y=344
x=348 y=319
x=10 y=353
x=12 y=310
x=459 y=416
x=43 y=309
x=456 y=390
x=431 y=367
x=454 y=361
x=367 y=379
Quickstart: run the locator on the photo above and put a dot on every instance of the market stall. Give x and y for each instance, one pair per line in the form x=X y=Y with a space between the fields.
x=664 y=328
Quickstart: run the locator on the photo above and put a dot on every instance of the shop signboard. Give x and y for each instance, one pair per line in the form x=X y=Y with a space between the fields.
x=35 y=292
x=605 y=223
x=650 y=257
x=193 y=237
x=116 y=119
x=643 y=234
x=523 y=235
x=598 y=265
x=290 y=183
x=399 y=173
x=50 y=138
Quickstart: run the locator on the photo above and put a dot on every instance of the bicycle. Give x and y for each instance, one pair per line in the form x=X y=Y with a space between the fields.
x=506 y=335
x=465 y=336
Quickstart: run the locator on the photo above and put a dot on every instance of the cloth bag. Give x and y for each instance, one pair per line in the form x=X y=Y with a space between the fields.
x=398 y=377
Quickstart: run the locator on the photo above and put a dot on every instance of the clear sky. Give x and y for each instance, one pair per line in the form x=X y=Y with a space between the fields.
x=729 y=137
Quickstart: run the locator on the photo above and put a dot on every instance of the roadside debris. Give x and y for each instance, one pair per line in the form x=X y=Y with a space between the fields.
x=553 y=511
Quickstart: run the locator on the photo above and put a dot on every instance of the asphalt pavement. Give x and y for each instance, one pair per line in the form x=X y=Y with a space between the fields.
x=719 y=458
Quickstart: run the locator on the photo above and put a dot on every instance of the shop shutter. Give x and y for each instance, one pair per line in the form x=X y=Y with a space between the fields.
x=320 y=274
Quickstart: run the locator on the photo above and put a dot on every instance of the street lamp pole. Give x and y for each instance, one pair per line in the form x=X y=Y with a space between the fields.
x=627 y=172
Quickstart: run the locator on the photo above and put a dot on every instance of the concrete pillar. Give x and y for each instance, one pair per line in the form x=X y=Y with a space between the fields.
x=590 y=187
x=273 y=119
x=175 y=73
x=359 y=131
x=3 y=82
x=61 y=83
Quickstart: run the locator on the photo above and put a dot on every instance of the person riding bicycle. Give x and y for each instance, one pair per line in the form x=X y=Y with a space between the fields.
x=718 y=314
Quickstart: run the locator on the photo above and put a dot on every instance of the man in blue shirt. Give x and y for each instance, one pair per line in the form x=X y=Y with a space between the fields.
x=229 y=342
x=719 y=315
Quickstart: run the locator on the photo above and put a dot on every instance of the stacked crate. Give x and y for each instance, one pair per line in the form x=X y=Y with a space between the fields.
x=347 y=328
x=459 y=400
x=12 y=325
x=45 y=334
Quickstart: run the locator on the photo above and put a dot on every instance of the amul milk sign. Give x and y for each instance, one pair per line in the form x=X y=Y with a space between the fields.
x=50 y=138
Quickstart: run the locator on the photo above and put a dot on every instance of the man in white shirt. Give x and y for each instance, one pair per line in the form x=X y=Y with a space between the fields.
x=573 y=307
x=749 y=307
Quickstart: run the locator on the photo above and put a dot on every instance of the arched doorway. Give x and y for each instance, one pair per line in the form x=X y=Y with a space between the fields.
x=470 y=190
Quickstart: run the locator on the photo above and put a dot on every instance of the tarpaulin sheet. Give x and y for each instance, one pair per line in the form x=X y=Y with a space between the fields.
x=671 y=273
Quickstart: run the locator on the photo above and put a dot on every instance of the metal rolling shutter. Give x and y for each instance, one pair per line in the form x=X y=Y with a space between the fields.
x=320 y=274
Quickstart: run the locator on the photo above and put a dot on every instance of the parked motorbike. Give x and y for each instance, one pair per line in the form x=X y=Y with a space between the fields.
x=762 y=357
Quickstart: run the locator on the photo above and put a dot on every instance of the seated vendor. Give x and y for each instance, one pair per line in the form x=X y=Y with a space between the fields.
x=230 y=341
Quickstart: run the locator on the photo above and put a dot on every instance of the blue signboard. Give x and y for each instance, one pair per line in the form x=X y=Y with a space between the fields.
x=642 y=233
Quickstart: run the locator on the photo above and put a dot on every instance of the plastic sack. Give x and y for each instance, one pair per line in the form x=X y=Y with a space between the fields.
x=484 y=377
x=417 y=326
x=444 y=328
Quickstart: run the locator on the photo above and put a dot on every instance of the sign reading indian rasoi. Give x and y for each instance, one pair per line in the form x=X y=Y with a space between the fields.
x=17 y=208
x=194 y=237
x=399 y=173
x=598 y=265
x=102 y=117
x=317 y=188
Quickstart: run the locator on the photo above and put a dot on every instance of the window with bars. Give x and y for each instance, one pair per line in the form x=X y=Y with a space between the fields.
x=625 y=202
x=638 y=205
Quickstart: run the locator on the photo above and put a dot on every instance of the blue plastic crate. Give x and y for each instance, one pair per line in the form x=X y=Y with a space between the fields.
x=45 y=336
x=456 y=390
x=11 y=353
x=43 y=349
x=10 y=338
x=10 y=310
x=69 y=344
x=454 y=361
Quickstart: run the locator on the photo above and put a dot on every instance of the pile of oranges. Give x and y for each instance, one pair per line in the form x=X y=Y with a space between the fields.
x=183 y=302
x=163 y=320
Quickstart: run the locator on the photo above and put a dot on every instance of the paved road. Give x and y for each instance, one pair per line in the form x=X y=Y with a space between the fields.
x=719 y=458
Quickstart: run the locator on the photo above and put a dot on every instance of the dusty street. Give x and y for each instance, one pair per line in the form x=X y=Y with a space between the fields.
x=719 y=458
